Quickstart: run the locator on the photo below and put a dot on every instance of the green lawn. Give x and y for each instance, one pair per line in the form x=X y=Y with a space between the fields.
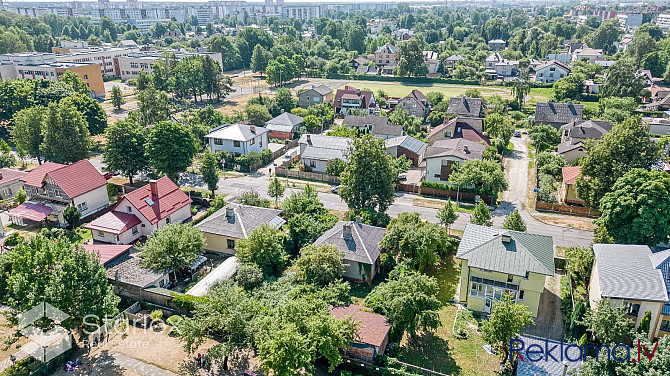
x=540 y=94
x=397 y=89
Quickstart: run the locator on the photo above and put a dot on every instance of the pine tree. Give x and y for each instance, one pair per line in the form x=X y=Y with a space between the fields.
x=481 y=215
x=514 y=222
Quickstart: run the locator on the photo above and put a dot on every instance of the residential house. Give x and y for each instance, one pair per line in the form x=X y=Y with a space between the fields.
x=225 y=228
x=567 y=193
x=359 y=244
x=10 y=182
x=658 y=92
x=634 y=277
x=587 y=52
x=416 y=104
x=52 y=187
x=442 y=155
x=561 y=57
x=238 y=139
x=316 y=95
x=590 y=87
x=386 y=55
x=495 y=261
x=351 y=97
x=357 y=62
x=470 y=129
x=646 y=77
x=432 y=60
x=497 y=44
x=453 y=59
x=125 y=271
x=534 y=63
x=574 y=134
x=625 y=41
x=379 y=126
x=557 y=114
x=284 y=127
x=551 y=71
x=142 y=211
x=316 y=151
x=657 y=126
x=372 y=332
x=604 y=63
x=466 y=107
x=368 y=69
x=497 y=66
x=408 y=146
x=659 y=105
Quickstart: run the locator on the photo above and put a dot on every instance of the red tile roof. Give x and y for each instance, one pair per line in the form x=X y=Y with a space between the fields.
x=7 y=175
x=169 y=199
x=78 y=178
x=570 y=174
x=107 y=252
x=114 y=222
x=31 y=211
x=35 y=178
x=373 y=327
x=350 y=92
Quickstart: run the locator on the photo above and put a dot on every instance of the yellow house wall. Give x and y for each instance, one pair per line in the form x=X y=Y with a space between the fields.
x=532 y=287
x=219 y=243
x=658 y=331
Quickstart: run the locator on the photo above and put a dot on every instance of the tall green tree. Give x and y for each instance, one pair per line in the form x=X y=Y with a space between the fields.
x=174 y=247
x=260 y=59
x=117 y=98
x=411 y=59
x=285 y=99
x=544 y=136
x=27 y=131
x=486 y=176
x=639 y=202
x=409 y=300
x=170 y=148
x=66 y=135
x=608 y=325
x=152 y=106
x=447 y=216
x=276 y=190
x=368 y=180
x=125 y=148
x=209 y=169
x=622 y=80
x=506 y=322
x=321 y=265
x=514 y=222
x=95 y=115
x=626 y=147
x=75 y=82
x=481 y=215
x=265 y=248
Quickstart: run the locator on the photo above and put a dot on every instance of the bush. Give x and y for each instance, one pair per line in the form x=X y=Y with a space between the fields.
x=174 y=320
x=20 y=197
x=187 y=302
x=14 y=239
x=156 y=315
x=249 y=276
x=112 y=191
x=24 y=367
x=547 y=192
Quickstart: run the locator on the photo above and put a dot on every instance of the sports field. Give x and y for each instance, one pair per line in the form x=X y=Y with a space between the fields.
x=397 y=89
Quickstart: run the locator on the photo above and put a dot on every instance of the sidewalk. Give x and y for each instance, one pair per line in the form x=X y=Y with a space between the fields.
x=139 y=366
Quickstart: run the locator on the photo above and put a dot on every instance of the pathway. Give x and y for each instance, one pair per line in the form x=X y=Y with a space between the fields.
x=140 y=366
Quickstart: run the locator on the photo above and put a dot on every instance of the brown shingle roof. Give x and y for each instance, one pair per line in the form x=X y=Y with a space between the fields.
x=373 y=328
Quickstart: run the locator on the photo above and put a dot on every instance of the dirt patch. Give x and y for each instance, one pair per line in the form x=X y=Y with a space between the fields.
x=9 y=343
x=233 y=106
x=575 y=223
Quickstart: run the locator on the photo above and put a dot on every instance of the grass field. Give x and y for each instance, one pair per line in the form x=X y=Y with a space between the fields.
x=397 y=89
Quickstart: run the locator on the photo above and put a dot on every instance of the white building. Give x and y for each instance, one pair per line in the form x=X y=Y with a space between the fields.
x=551 y=71
x=663 y=21
x=238 y=139
x=630 y=22
x=132 y=63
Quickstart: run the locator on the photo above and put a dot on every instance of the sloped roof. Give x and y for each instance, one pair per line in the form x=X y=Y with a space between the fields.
x=587 y=129
x=661 y=261
x=35 y=177
x=626 y=271
x=107 y=252
x=168 y=200
x=563 y=66
x=128 y=269
x=483 y=248
x=551 y=112
x=246 y=218
x=455 y=147
x=8 y=175
x=285 y=122
x=373 y=328
x=323 y=154
x=323 y=89
x=465 y=106
x=455 y=58
x=364 y=95
x=388 y=130
x=567 y=146
x=475 y=123
x=326 y=142
x=31 y=211
x=361 y=121
x=236 y=132
x=114 y=222
x=571 y=173
x=387 y=47
x=418 y=96
x=78 y=178
x=363 y=246
x=408 y=142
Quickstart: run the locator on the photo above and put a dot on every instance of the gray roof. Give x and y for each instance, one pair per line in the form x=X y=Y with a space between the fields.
x=323 y=141
x=128 y=269
x=323 y=154
x=466 y=106
x=567 y=146
x=455 y=147
x=547 y=366
x=626 y=271
x=661 y=261
x=391 y=48
x=362 y=121
x=483 y=248
x=455 y=58
x=320 y=89
x=587 y=129
x=550 y=112
x=408 y=142
x=246 y=219
x=388 y=130
x=286 y=118
x=363 y=246
x=236 y=132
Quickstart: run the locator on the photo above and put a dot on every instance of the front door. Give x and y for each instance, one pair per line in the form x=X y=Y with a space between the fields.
x=487 y=305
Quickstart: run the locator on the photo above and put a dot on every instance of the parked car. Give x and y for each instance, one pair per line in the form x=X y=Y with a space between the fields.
x=108 y=175
x=336 y=189
x=517 y=133
x=402 y=176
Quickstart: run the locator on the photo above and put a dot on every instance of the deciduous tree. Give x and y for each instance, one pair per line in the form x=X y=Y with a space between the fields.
x=265 y=248
x=125 y=148
x=170 y=149
x=66 y=135
x=209 y=169
x=174 y=247
x=320 y=264
x=447 y=216
x=117 y=98
x=481 y=215
x=506 y=322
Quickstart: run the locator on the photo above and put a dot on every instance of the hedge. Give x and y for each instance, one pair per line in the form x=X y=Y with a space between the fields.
x=447 y=187
x=405 y=80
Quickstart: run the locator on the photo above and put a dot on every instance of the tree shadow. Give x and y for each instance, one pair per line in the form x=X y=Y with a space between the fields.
x=430 y=351
x=447 y=274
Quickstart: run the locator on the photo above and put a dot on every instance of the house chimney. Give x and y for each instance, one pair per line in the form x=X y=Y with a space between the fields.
x=252 y=128
x=506 y=238
x=358 y=219
x=282 y=110
x=0 y=174
x=153 y=185
x=346 y=231
x=309 y=140
x=230 y=213
x=465 y=149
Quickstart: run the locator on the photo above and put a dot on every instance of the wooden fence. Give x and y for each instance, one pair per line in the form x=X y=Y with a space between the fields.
x=428 y=191
x=568 y=209
x=282 y=172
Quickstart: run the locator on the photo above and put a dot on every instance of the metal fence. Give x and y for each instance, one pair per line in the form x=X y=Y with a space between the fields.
x=569 y=209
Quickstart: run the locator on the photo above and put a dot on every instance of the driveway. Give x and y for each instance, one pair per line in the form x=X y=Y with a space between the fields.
x=549 y=321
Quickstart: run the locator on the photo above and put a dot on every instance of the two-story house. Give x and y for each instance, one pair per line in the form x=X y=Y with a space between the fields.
x=551 y=71
x=442 y=156
x=379 y=126
x=316 y=95
x=470 y=129
x=557 y=114
x=52 y=187
x=495 y=262
x=633 y=276
x=142 y=211
x=10 y=182
x=497 y=44
x=317 y=151
x=432 y=60
x=415 y=103
x=386 y=55
x=238 y=139
x=351 y=97
x=466 y=107
x=573 y=135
